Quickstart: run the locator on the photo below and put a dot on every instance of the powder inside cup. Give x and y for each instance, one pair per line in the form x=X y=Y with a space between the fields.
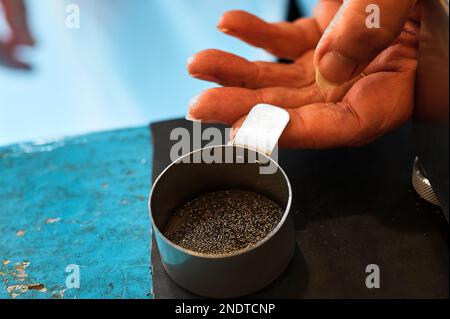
x=223 y=222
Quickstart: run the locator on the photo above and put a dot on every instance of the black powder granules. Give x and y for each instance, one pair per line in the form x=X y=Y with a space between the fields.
x=223 y=222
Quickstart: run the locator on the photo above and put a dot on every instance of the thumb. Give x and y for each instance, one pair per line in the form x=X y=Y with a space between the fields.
x=360 y=30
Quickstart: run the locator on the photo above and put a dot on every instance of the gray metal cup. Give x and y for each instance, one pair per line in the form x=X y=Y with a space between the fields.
x=223 y=275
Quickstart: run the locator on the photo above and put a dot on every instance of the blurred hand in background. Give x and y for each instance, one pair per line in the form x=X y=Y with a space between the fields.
x=345 y=87
x=14 y=12
x=113 y=70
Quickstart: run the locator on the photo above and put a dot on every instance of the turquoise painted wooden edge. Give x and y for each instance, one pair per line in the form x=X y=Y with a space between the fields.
x=81 y=201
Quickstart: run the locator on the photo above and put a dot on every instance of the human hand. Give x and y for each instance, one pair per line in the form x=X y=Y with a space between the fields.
x=347 y=105
x=16 y=18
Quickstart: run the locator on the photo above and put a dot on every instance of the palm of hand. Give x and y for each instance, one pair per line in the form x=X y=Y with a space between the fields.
x=355 y=113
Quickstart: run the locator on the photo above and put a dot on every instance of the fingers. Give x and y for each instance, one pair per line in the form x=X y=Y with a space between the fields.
x=285 y=40
x=231 y=70
x=8 y=58
x=352 y=40
x=16 y=16
x=228 y=104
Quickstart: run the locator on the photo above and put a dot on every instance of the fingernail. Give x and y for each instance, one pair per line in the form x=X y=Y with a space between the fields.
x=194 y=101
x=233 y=132
x=323 y=83
x=189 y=118
x=219 y=24
x=205 y=77
x=220 y=27
x=204 y=121
x=190 y=60
x=224 y=30
x=337 y=68
x=191 y=105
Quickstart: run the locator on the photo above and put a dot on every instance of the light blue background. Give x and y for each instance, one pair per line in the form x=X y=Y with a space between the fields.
x=124 y=67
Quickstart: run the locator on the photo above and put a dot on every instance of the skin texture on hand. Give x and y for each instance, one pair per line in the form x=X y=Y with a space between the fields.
x=14 y=11
x=348 y=45
x=352 y=112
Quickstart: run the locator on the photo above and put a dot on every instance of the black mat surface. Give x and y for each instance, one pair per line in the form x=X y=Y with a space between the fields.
x=353 y=207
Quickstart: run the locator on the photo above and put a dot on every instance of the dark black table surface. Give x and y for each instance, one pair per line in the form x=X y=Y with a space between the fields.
x=352 y=207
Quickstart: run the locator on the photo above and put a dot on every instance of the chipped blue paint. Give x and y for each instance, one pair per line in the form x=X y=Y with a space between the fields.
x=80 y=200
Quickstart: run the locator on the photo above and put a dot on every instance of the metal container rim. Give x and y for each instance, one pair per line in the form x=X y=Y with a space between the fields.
x=234 y=253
